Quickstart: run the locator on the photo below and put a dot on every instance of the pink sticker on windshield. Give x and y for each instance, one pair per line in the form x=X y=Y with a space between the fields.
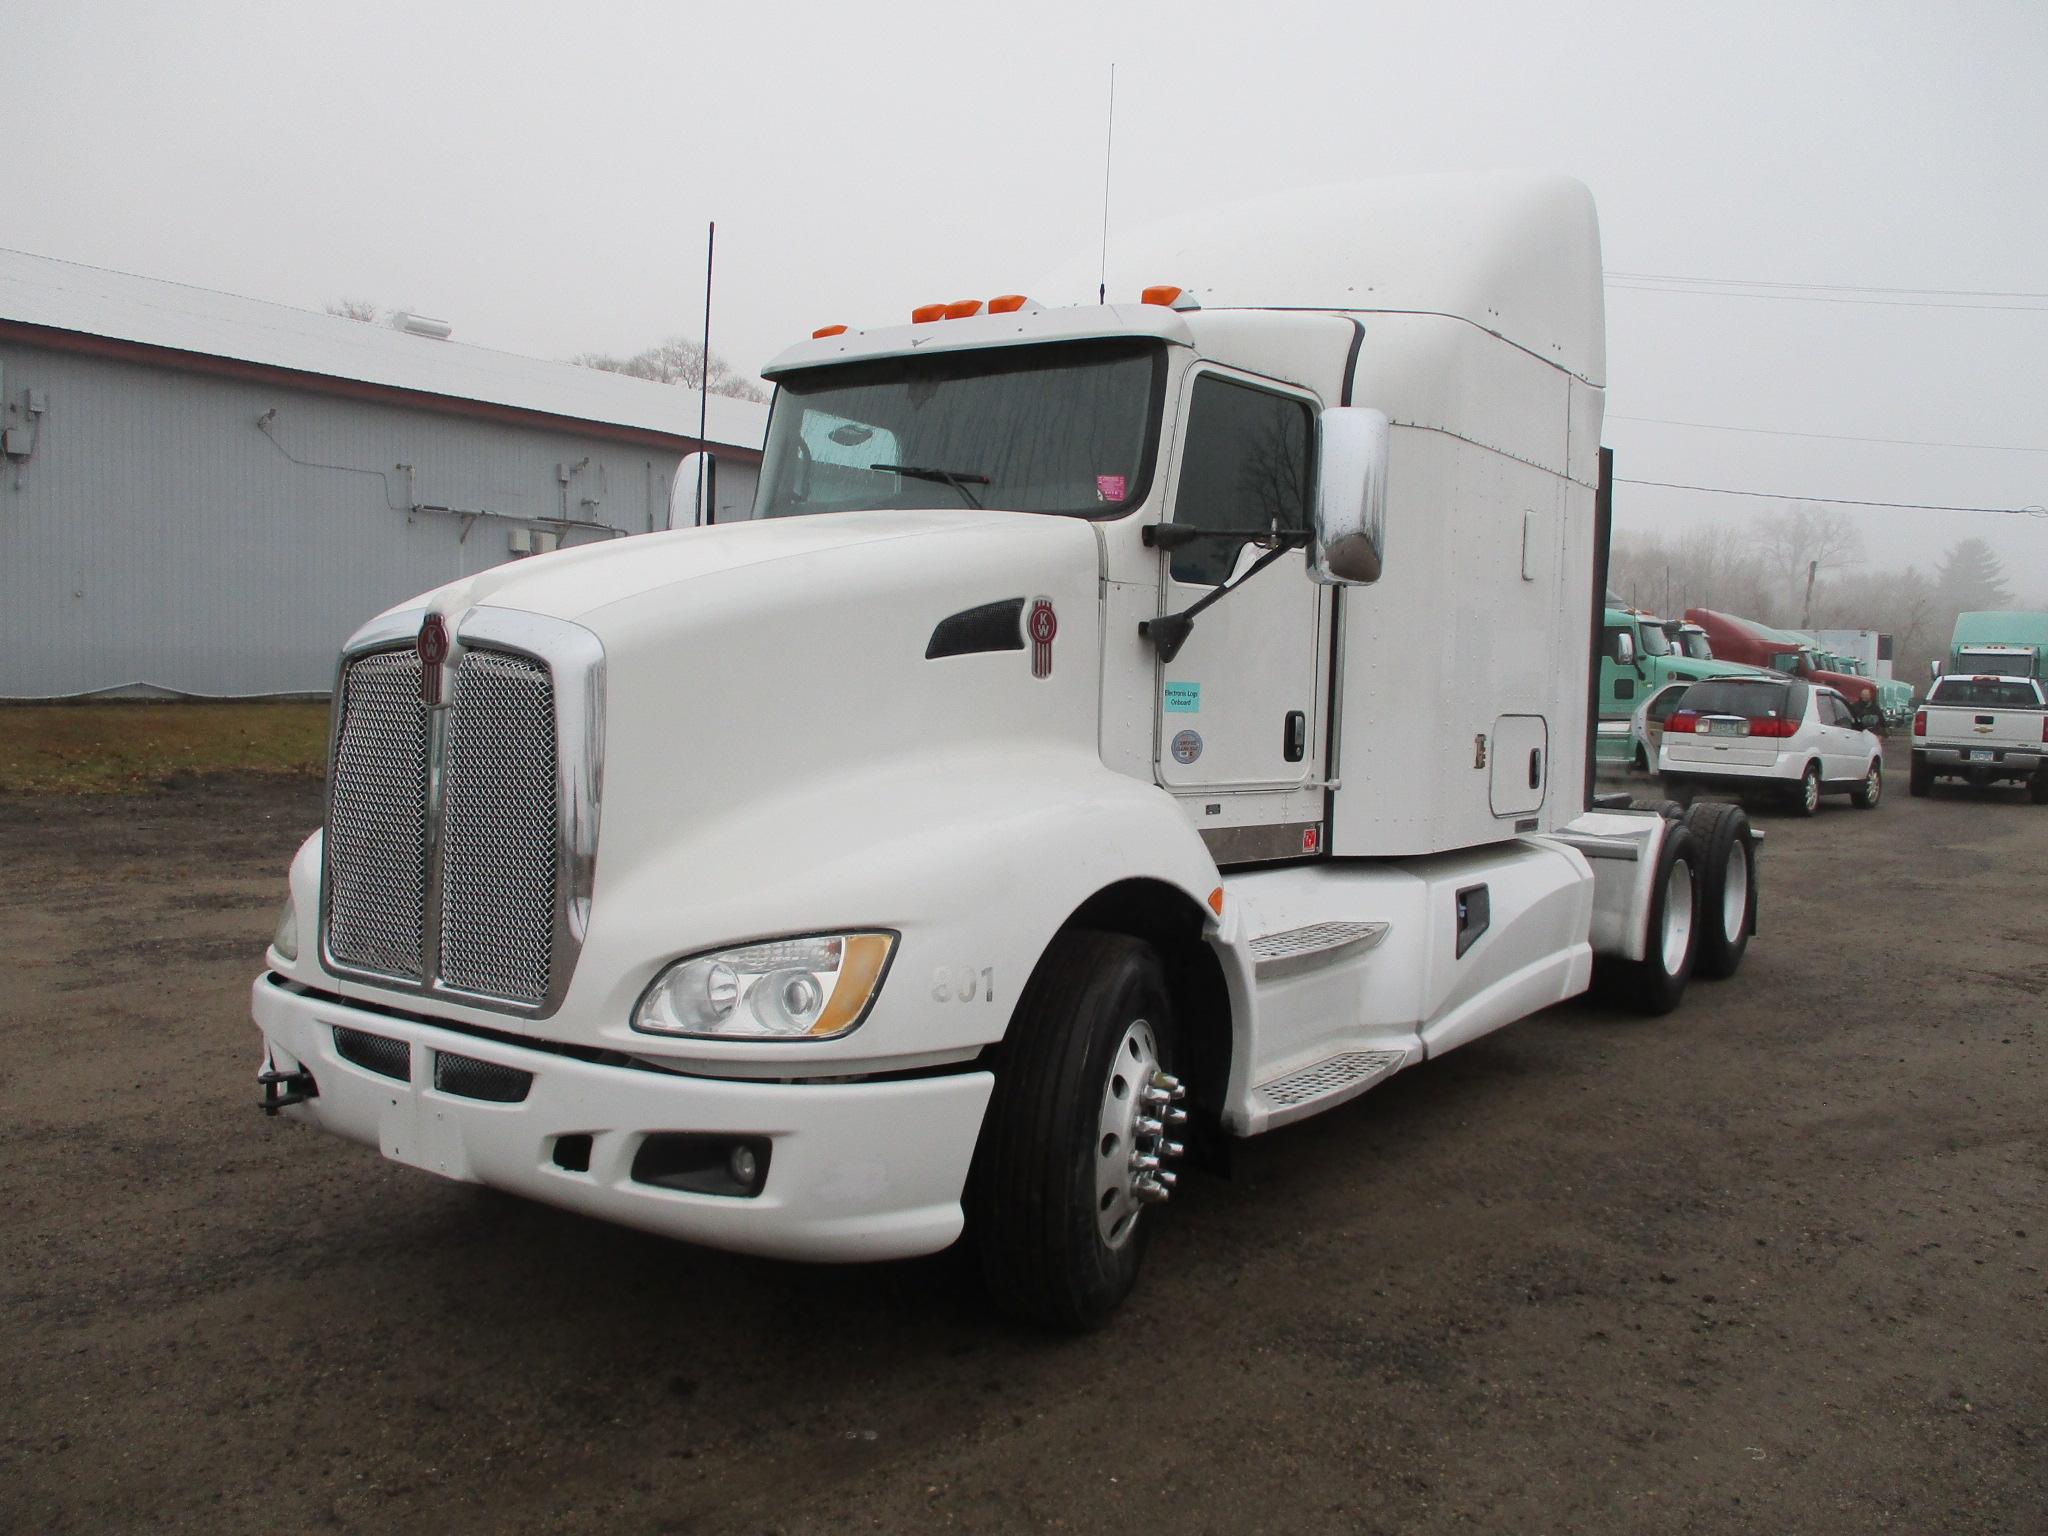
x=1109 y=487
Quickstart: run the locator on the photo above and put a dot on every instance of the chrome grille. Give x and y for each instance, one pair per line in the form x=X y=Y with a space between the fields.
x=376 y=819
x=498 y=829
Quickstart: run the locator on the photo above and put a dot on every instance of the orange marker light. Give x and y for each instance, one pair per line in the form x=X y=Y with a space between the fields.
x=827 y=330
x=1216 y=901
x=960 y=309
x=1163 y=293
x=924 y=314
x=1007 y=304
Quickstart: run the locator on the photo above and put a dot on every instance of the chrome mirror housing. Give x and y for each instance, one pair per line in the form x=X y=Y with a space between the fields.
x=693 y=502
x=1351 y=497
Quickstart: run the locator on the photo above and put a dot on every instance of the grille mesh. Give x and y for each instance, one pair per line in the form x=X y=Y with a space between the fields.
x=498 y=829
x=375 y=1053
x=376 y=820
x=474 y=1079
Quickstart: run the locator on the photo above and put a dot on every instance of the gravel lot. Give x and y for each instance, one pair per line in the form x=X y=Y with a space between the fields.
x=1776 y=1263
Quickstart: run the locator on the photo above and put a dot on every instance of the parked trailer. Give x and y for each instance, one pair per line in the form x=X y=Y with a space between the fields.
x=1123 y=727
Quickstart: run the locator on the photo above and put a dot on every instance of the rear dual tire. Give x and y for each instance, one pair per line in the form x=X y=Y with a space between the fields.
x=1654 y=984
x=1726 y=849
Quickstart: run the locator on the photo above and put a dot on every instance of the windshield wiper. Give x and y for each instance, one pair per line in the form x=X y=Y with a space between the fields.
x=955 y=478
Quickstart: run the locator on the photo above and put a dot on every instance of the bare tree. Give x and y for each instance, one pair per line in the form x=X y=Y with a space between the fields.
x=353 y=309
x=1804 y=540
x=678 y=360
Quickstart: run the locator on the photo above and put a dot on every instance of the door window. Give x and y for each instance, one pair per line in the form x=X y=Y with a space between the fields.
x=1248 y=464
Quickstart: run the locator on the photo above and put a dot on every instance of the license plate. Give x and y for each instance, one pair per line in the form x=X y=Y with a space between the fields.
x=1727 y=727
x=1980 y=754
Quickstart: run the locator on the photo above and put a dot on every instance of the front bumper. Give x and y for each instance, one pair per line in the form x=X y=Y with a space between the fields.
x=866 y=1170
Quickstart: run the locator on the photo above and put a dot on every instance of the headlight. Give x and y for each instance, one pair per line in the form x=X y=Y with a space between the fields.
x=787 y=989
x=286 y=940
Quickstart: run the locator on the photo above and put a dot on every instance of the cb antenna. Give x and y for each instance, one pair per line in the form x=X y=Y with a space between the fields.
x=1108 y=145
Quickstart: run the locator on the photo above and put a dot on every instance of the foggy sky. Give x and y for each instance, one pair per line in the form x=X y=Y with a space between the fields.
x=541 y=175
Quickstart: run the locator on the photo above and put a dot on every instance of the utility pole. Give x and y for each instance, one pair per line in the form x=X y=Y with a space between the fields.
x=1806 y=612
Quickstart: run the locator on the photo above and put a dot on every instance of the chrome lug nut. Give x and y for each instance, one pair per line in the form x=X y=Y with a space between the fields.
x=1176 y=1117
x=1150 y=1127
x=1144 y=1163
x=1167 y=1178
x=1171 y=1149
x=1151 y=1193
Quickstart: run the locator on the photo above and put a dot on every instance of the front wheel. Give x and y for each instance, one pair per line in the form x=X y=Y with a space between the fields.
x=1077 y=1143
x=1920 y=781
x=1871 y=790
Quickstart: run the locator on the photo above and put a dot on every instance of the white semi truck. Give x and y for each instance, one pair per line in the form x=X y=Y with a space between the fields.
x=1121 y=728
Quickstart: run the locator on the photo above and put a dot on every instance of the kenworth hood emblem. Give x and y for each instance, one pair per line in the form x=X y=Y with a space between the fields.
x=433 y=648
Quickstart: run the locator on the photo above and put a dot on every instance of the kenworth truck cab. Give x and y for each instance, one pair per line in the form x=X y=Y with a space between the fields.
x=1122 y=728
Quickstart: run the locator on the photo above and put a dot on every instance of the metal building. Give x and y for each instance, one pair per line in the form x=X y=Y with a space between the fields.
x=204 y=494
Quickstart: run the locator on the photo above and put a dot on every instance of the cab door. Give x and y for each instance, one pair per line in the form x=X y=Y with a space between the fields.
x=1242 y=708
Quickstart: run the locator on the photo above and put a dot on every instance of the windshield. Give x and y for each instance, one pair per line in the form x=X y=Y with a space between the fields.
x=1985 y=693
x=1696 y=646
x=1065 y=428
x=1998 y=663
x=1784 y=661
x=1655 y=641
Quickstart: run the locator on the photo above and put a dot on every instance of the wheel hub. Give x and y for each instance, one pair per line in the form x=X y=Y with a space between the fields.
x=1140 y=1105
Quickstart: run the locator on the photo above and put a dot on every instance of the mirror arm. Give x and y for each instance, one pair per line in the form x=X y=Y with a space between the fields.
x=1169 y=632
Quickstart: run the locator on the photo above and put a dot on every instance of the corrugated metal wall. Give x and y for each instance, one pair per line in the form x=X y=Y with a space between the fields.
x=168 y=532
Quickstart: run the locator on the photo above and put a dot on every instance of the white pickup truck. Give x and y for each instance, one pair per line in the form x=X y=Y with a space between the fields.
x=1120 y=728
x=1984 y=729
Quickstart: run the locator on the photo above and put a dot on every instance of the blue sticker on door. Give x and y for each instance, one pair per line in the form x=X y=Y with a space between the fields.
x=1183 y=698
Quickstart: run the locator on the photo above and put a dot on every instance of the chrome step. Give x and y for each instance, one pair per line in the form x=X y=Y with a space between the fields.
x=1301 y=949
x=1304 y=1091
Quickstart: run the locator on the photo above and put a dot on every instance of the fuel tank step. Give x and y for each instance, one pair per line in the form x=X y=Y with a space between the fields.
x=1310 y=1089
x=1317 y=944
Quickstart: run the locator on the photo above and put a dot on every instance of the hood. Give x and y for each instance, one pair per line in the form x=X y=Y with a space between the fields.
x=577 y=583
x=750 y=666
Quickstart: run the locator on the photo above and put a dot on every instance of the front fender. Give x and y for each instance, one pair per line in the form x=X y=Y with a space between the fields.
x=975 y=857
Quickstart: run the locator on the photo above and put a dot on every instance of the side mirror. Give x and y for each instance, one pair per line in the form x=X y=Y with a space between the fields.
x=1623 y=652
x=693 y=503
x=1934 y=668
x=1351 y=497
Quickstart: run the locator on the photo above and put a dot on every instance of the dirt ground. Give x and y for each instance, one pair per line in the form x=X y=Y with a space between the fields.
x=1777 y=1263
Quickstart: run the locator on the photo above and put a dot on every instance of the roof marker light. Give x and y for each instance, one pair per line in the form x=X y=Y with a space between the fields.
x=827 y=330
x=960 y=309
x=1009 y=303
x=1170 y=296
x=924 y=314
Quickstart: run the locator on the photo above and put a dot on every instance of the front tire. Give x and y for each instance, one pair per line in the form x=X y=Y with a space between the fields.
x=1871 y=790
x=1921 y=781
x=1057 y=1210
x=1727 y=908
x=2038 y=789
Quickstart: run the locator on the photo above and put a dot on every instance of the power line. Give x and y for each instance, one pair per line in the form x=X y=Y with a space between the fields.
x=1832 y=437
x=1834 y=501
x=1747 y=282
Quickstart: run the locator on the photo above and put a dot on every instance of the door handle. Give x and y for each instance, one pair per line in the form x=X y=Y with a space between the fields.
x=1294 y=737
